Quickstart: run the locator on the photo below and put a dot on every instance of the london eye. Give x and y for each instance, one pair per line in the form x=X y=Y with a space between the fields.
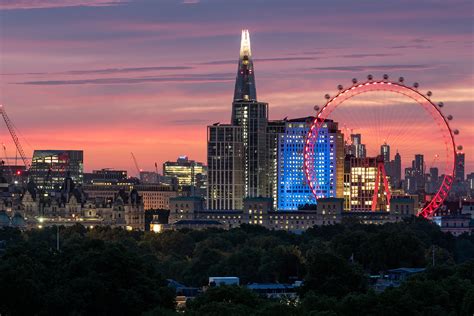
x=376 y=118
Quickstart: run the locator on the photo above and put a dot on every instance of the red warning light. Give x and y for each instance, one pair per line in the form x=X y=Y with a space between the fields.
x=18 y=172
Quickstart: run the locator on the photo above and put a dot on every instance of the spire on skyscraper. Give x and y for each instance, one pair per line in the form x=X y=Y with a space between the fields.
x=245 y=82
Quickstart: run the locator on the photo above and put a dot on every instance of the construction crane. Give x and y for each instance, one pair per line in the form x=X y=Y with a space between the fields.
x=11 y=129
x=136 y=164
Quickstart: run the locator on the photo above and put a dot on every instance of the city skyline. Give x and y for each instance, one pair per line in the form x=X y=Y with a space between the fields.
x=85 y=77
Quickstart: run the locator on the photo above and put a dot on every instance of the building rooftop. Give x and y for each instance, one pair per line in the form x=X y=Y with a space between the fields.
x=269 y=286
x=407 y=270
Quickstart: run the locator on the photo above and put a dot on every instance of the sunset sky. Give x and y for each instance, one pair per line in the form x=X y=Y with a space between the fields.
x=113 y=77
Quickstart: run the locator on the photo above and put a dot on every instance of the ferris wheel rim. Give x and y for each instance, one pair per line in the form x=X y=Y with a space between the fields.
x=397 y=87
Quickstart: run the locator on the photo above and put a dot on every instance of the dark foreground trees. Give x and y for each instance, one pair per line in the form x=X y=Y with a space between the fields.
x=86 y=277
x=111 y=271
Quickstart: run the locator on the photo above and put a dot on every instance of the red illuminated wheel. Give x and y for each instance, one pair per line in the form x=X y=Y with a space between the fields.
x=393 y=113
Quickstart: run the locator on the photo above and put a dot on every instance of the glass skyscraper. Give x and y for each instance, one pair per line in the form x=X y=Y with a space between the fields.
x=293 y=189
x=252 y=116
x=225 y=189
x=50 y=167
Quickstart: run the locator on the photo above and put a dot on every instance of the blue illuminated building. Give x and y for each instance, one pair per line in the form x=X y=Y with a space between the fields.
x=293 y=190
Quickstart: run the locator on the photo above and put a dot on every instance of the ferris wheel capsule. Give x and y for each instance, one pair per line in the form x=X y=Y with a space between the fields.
x=354 y=80
x=370 y=77
x=416 y=85
x=340 y=87
x=459 y=147
x=401 y=79
x=456 y=132
x=316 y=108
x=327 y=96
x=440 y=104
x=449 y=117
x=429 y=93
x=385 y=76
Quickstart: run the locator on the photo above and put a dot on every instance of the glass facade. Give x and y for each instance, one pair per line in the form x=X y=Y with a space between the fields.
x=252 y=116
x=293 y=189
x=50 y=167
x=225 y=162
x=189 y=173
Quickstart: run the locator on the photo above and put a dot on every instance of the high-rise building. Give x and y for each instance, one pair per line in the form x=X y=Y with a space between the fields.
x=293 y=189
x=385 y=152
x=252 y=116
x=356 y=148
x=245 y=88
x=418 y=166
x=50 y=167
x=459 y=170
x=396 y=171
x=432 y=183
x=225 y=150
x=274 y=130
x=360 y=177
x=191 y=175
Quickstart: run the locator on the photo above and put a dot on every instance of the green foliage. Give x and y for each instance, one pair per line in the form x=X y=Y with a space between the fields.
x=112 y=271
x=88 y=276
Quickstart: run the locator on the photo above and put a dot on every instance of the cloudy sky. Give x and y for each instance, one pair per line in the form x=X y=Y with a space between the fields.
x=115 y=76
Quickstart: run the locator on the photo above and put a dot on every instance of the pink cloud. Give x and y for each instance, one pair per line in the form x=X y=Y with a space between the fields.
x=40 y=4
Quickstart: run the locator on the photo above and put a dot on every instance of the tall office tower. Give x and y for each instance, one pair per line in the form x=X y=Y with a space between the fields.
x=418 y=166
x=356 y=148
x=396 y=171
x=190 y=174
x=293 y=190
x=409 y=185
x=225 y=150
x=432 y=184
x=274 y=130
x=385 y=152
x=459 y=170
x=50 y=167
x=245 y=88
x=361 y=174
x=252 y=116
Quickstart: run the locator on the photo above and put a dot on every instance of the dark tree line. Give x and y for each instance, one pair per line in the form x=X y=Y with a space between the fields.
x=106 y=271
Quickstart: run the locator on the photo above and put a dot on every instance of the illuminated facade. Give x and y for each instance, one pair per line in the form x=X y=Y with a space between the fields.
x=252 y=116
x=50 y=167
x=356 y=148
x=360 y=177
x=238 y=153
x=154 y=196
x=189 y=173
x=245 y=88
x=293 y=189
x=225 y=190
